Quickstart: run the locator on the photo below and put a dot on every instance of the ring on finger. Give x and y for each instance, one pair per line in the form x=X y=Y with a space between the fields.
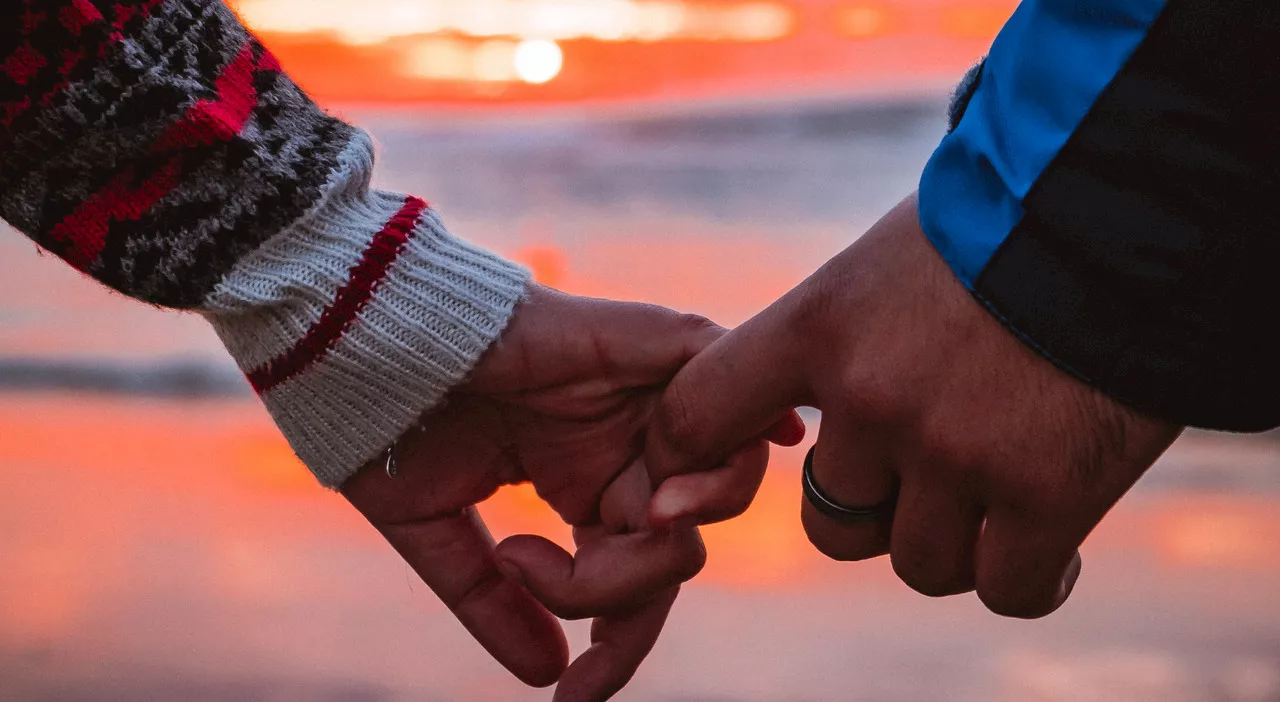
x=845 y=514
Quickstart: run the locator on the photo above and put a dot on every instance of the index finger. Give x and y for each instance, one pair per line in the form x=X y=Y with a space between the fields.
x=454 y=556
x=731 y=393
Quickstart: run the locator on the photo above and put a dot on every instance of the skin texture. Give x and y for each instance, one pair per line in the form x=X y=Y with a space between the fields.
x=1005 y=463
x=562 y=400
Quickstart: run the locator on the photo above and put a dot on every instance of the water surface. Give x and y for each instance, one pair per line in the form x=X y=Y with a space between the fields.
x=160 y=543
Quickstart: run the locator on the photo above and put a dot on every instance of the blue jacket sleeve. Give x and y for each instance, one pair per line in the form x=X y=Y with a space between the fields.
x=1107 y=192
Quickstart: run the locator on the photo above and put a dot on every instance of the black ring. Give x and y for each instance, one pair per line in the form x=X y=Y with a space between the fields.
x=844 y=513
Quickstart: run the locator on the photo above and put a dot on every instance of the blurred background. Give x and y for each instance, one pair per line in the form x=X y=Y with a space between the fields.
x=159 y=542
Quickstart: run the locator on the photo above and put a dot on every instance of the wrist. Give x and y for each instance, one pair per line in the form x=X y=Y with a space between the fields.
x=359 y=319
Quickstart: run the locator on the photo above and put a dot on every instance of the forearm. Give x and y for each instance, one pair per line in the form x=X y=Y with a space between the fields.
x=158 y=147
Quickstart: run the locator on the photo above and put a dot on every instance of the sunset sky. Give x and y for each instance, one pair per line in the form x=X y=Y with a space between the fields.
x=162 y=542
x=554 y=51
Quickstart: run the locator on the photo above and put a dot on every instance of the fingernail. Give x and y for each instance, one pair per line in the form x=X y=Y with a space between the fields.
x=662 y=521
x=670 y=506
x=512 y=572
x=668 y=525
x=658 y=521
x=1073 y=575
x=1069 y=581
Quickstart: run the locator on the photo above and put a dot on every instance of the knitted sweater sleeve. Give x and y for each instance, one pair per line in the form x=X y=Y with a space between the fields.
x=157 y=146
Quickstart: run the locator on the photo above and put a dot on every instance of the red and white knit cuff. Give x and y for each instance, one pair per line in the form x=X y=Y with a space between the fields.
x=357 y=320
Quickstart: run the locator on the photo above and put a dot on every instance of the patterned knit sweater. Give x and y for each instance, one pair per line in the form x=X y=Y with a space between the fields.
x=158 y=147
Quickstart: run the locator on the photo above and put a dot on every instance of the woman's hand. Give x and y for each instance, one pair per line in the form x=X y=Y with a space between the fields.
x=562 y=400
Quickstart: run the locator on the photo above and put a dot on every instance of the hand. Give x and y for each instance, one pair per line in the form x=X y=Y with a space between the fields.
x=563 y=399
x=1004 y=463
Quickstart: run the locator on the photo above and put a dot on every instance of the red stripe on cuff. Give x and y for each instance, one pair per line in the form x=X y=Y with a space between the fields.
x=351 y=299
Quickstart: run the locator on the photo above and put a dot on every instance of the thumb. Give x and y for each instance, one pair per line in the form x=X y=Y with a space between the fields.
x=726 y=397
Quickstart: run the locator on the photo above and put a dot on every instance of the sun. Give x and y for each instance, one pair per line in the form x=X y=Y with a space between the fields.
x=537 y=61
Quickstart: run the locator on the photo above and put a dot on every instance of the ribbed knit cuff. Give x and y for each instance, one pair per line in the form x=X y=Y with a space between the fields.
x=357 y=320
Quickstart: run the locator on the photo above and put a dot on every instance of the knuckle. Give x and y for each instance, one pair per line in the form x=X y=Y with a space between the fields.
x=870 y=394
x=968 y=460
x=1055 y=503
x=1015 y=602
x=698 y=324
x=567 y=608
x=739 y=501
x=811 y=315
x=950 y=445
x=683 y=555
x=929 y=575
x=737 y=497
x=840 y=552
x=1041 y=497
x=692 y=559
x=676 y=420
x=844 y=547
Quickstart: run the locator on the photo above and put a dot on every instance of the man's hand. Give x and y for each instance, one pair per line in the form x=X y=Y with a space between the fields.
x=1004 y=462
x=563 y=399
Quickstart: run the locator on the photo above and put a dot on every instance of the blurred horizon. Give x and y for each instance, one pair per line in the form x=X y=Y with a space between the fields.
x=505 y=53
